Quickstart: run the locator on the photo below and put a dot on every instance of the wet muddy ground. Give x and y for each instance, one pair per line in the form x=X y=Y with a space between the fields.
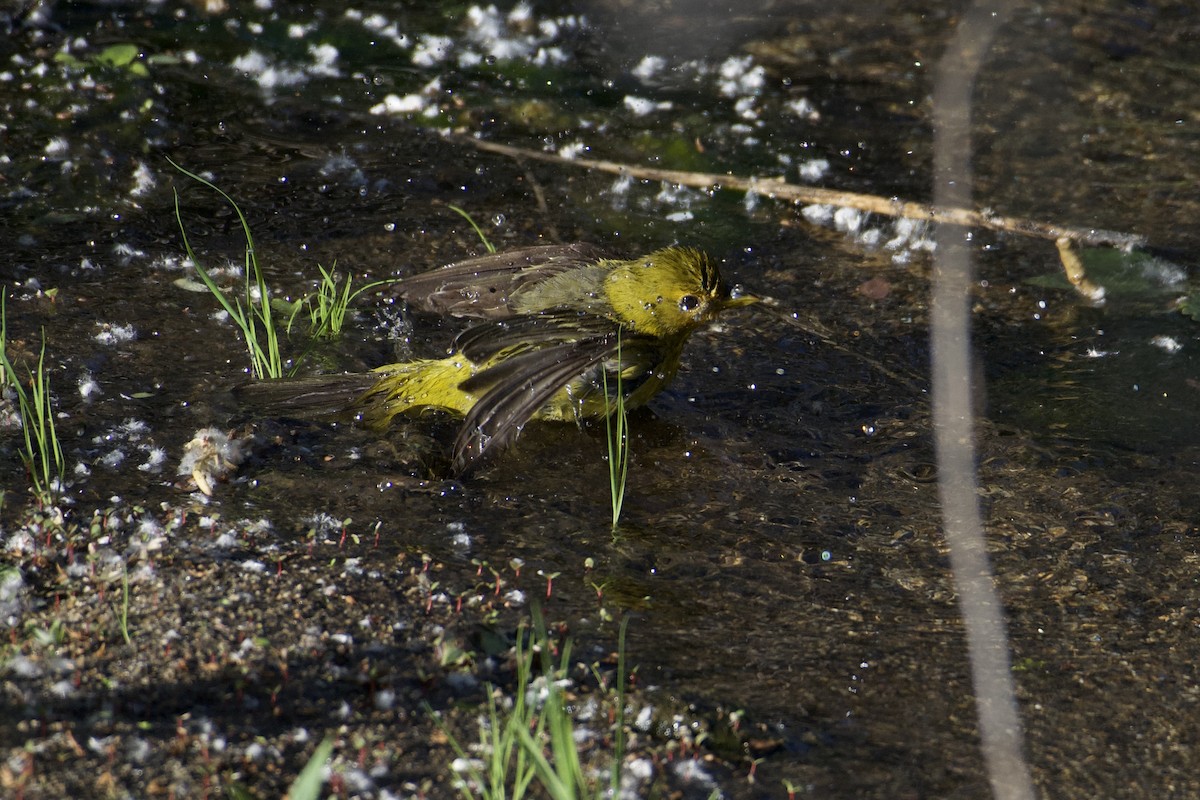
x=793 y=619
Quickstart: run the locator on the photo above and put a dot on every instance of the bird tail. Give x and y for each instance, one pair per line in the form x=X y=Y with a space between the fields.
x=416 y=385
x=373 y=397
x=314 y=397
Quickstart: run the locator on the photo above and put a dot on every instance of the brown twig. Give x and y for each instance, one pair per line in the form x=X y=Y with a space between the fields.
x=1073 y=267
x=779 y=189
x=539 y=195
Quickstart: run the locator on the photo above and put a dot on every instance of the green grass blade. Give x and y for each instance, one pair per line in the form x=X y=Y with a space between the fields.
x=479 y=779
x=307 y=785
x=526 y=744
x=546 y=774
x=265 y=354
x=616 y=427
x=10 y=380
x=491 y=248
x=48 y=451
x=42 y=453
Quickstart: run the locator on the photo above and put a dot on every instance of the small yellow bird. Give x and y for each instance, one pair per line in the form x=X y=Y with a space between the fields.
x=559 y=324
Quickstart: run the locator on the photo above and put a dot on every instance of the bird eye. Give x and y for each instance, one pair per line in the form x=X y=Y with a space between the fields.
x=689 y=302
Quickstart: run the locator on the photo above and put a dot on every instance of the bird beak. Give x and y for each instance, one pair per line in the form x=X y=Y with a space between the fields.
x=739 y=297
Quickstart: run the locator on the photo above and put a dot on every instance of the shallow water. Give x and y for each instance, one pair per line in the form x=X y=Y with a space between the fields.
x=780 y=544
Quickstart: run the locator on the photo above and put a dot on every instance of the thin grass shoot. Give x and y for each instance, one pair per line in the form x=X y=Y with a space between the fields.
x=616 y=428
x=308 y=783
x=252 y=311
x=565 y=778
x=526 y=744
x=329 y=305
x=506 y=765
x=42 y=452
x=491 y=248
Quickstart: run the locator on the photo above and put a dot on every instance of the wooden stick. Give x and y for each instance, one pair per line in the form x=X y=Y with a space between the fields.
x=779 y=189
x=1073 y=267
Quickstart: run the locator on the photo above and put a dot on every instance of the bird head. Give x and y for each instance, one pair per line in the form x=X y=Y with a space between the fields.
x=670 y=292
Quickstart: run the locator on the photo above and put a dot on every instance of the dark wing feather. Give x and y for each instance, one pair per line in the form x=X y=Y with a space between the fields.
x=530 y=331
x=517 y=387
x=314 y=397
x=482 y=287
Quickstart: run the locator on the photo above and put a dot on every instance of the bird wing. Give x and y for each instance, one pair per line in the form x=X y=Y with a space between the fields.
x=486 y=340
x=532 y=358
x=482 y=287
x=517 y=387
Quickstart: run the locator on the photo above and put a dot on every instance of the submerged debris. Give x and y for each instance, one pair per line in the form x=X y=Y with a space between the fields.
x=212 y=455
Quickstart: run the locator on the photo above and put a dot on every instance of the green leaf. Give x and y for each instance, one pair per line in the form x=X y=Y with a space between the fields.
x=118 y=55
x=1121 y=273
x=307 y=785
x=1190 y=306
x=286 y=306
x=190 y=285
x=238 y=791
x=1055 y=280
